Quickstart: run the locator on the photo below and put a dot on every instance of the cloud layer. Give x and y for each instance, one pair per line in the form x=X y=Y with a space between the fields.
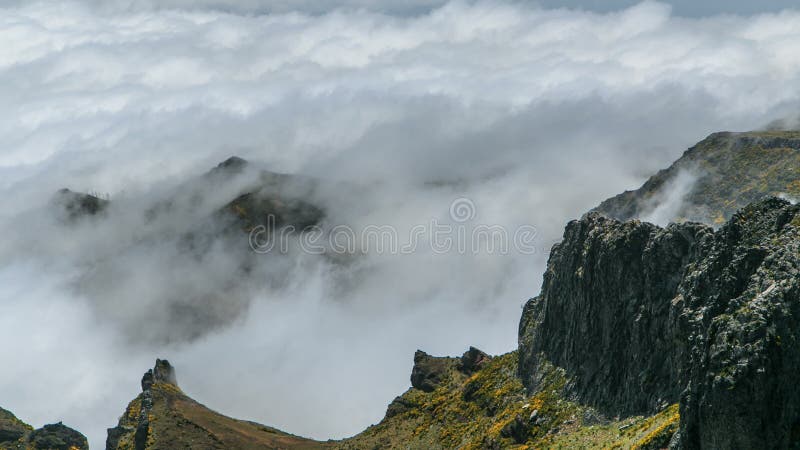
x=535 y=115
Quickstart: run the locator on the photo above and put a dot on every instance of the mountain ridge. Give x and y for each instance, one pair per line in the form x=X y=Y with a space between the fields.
x=643 y=336
x=724 y=172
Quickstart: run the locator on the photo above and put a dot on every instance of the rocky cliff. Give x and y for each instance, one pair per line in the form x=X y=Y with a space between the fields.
x=640 y=316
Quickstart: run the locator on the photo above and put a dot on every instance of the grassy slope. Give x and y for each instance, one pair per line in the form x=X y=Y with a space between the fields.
x=480 y=411
x=732 y=169
x=177 y=421
x=486 y=410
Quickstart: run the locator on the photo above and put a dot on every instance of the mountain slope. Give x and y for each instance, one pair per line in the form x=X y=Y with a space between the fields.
x=718 y=176
x=472 y=402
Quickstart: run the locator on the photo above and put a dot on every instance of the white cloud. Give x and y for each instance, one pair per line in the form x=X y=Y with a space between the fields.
x=535 y=115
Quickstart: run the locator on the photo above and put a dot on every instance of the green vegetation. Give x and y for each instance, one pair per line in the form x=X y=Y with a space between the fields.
x=164 y=417
x=17 y=435
x=490 y=409
x=732 y=170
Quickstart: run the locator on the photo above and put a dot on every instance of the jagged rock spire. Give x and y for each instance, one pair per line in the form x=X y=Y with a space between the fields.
x=163 y=372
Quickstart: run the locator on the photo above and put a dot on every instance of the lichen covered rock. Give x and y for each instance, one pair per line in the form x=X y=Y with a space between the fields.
x=57 y=436
x=430 y=371
x=11 y=428
x=640 y=316
x=18 y=435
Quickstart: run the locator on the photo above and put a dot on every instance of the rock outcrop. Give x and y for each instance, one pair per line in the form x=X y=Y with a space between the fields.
x=57 y=436
x=604 y=312
x=11 y=428
x=71 y=206
x=16 y=434
x=472 y=360
x=639 y=317
x=430 y=371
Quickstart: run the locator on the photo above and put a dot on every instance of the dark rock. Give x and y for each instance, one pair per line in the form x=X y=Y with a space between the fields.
x=603 y=314
x=116 y=434
x=57 y=437
x=11 y=428
x=147 y=380
x=429 y=371
x=75 y=205
x=141 y=433
x=639 y=315
x=472 y=360
x=16 y=434
x=399 y=406
x=163 y=372
x=518 y=429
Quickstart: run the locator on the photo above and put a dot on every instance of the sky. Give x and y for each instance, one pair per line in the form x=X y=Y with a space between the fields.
x=685 y=8
x=534 y=113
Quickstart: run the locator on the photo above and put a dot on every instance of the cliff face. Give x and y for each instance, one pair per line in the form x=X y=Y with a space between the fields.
x=640 y=316
x=720 y=175
x=604 y=312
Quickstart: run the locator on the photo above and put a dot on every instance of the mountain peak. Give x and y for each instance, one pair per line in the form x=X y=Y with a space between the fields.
x=232 y=164
x=163 y=416
x=162 y=372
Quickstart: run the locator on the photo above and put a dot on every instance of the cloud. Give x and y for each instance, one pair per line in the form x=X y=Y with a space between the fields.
x=670 y=199
x=535 y=115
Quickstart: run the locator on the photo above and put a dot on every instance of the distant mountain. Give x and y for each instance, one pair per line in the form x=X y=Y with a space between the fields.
x=185 y=225
x=255 y=194
x=715 y=178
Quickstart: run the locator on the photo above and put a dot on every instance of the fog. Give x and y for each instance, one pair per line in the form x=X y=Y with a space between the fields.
x=533 y=115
